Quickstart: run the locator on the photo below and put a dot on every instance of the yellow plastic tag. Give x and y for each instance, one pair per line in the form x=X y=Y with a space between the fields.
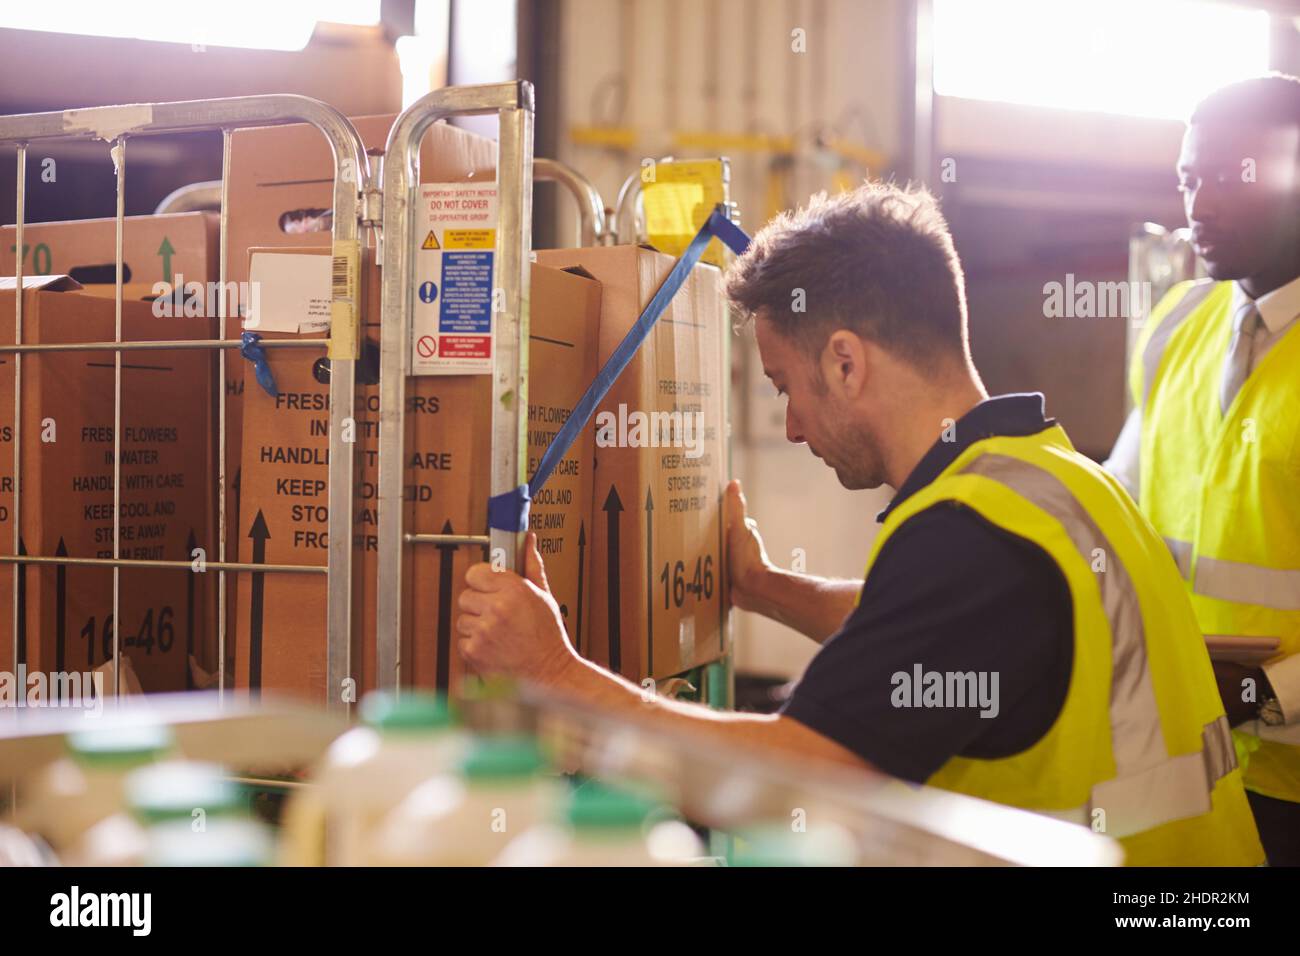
x=679 y=195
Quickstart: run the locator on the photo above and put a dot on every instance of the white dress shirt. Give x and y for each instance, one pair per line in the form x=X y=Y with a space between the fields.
x=1278 y=311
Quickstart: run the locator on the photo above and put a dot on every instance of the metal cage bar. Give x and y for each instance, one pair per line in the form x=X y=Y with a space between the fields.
x=513 y=104
x=19 y=260
x=194 y=197
x=629 y=212
x=115 y=124
x=592 y=228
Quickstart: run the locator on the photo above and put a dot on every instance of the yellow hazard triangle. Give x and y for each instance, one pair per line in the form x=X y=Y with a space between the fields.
x=430 y=241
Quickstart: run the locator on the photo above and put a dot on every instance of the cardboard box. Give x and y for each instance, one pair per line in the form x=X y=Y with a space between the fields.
x=154 y=249
x=281 y=183
x=174 y=248
x=281 y=179
x=657 y=550
x=67 y=486
x=447 y=455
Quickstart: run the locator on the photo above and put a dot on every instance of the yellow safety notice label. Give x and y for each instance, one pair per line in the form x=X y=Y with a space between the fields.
x=469 y=238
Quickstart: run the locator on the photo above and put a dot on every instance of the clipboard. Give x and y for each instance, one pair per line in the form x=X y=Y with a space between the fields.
x=1241 y=650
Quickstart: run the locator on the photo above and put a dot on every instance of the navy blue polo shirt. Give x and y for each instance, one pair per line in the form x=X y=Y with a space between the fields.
x=949 y=593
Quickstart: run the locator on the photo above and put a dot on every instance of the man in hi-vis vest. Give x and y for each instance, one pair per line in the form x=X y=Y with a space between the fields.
x=1021 y=635
x=1212 y=449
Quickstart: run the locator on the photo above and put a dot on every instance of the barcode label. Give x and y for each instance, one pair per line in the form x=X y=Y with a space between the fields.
x=345 y=259
x=341 y=278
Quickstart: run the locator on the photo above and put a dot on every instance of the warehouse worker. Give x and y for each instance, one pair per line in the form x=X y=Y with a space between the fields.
x=1211 y=451
x=1021 y=635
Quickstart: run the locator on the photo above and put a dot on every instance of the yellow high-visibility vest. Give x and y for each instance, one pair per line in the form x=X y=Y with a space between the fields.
x=1141 y=749
x=1224 y=490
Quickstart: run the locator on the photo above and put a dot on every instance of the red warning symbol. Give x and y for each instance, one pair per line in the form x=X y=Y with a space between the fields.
x=427 y=346
x=430 y=241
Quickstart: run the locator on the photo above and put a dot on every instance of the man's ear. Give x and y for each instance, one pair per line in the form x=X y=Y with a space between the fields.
x=845 y=362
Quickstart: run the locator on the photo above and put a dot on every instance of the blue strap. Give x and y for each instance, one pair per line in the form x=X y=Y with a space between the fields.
x=256 y=354
x=509 y=511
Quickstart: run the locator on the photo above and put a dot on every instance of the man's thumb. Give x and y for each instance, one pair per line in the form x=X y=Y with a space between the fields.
x=736 y=510
x=534 y=570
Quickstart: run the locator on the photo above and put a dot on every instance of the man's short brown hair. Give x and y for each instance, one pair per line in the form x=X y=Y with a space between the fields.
x=878 y=260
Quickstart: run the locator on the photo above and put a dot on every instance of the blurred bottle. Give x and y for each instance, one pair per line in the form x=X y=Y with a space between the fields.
x=467 y=818
x=403 y=741
x=606 y=826
x=74 y=793
x=172 y=791
x=223 y=841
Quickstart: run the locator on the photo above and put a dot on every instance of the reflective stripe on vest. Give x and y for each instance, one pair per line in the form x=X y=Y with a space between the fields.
x=1238 y=581
x=1150 y=787
x=1155 y=347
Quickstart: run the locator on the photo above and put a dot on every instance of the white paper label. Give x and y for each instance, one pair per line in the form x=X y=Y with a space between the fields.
x=290 y=292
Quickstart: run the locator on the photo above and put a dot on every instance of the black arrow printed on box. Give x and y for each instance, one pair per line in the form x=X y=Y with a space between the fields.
x=612 y=508
x=259 y=533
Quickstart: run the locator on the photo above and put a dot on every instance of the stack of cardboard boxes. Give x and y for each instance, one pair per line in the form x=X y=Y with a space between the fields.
x=66 y=613
x=65 y=620
x=629 y=523
x=447 y=442
x=660 y=463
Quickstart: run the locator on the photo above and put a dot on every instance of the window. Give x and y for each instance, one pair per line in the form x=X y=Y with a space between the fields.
x=257 y=24
x=1154 y=58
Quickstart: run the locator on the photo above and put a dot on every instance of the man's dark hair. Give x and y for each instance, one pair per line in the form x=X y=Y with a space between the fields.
x=1262 y=100
x=878 y=261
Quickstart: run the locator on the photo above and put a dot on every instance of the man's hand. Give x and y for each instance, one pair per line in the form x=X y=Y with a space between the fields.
x=511 y=624
x=748 y=561
x=1230 y=677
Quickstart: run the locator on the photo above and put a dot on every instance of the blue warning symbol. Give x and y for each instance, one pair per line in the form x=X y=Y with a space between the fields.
x=428 y=292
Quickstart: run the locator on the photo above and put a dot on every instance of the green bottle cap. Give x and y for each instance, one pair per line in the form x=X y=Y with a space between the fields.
x=598 y=806
x=412 y=712
x=175 y=790
x=779 y=845
x=120 y=747
x=502 y=758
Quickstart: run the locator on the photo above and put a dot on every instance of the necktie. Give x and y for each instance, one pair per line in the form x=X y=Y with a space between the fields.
x=1237 y=366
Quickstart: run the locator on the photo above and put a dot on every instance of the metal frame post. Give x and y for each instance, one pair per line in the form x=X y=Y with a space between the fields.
x=513 y=103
